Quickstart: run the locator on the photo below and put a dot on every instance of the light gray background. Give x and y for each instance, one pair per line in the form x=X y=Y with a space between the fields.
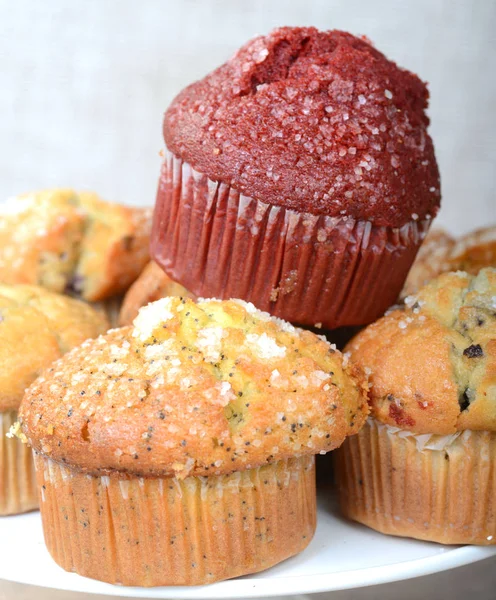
x=84 y=84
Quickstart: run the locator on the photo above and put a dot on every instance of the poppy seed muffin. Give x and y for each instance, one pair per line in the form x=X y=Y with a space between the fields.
x=300 y=176
x=36 y=328
x=424 y=466
x=186 y=443
x=151 y=285
x=72 y=242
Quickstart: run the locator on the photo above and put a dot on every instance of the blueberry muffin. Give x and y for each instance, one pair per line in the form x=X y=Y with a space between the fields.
x=474 y=251
x=180 y=451
x=36 y=328
x=424 y=465
x=72 y=242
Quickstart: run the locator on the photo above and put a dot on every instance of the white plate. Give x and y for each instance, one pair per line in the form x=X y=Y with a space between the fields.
x=342 y=555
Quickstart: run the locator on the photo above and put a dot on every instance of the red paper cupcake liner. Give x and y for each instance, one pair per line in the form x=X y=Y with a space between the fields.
x=304 y=268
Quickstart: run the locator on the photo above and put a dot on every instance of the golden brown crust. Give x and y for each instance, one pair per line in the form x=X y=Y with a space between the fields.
x=151 y=285
x=430 y=261
x=115 y=247
x=72 y=242
x=433 y=365
x=441 y=253
x=194 y=389
x=36 y=328
x=474 y=251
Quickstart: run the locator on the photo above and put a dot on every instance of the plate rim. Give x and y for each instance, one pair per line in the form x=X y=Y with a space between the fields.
x=287 y=585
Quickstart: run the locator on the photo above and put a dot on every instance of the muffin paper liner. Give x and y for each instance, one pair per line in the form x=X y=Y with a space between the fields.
x=168 y=531
x=18 y=491
x=305 y=268
x=441 y=489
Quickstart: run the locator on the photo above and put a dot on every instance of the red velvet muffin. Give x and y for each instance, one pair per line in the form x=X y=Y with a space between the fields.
x=299 y=176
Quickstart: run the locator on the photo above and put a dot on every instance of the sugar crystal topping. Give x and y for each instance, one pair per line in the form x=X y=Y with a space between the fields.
x=313 y=121
x=193 y=386
x=150 y=316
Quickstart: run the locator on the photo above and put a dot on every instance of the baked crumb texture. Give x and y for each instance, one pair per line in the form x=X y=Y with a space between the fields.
x=193 y=531
x=432 y=364
x=194 y=389
x=441 y=253
x=36 y=328
x=151 y=285
x=72 y=242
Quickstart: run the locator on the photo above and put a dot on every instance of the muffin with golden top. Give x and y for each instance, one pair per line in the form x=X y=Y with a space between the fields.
x=430 y=261
x=36 y=328
x=441 y=253
x=424 y=465
x=151 y=285
x=72 y=242
x=474 y=251
x=180 y=451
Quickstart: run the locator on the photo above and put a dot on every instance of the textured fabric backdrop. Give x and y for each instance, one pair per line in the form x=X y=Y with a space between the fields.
x=84 y=83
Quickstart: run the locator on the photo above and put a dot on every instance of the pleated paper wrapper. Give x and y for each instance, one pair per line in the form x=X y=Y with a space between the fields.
x=18 y=491
x=307 y=269
x=438 y=488
x=168 y=531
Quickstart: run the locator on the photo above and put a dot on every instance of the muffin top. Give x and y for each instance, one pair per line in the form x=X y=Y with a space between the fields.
x=319 y=122
x=475 y=250
x=194 y=389
x=431 y=261
x=72 y=242
x=432 y=365
x=441 y=253
x=36 y=328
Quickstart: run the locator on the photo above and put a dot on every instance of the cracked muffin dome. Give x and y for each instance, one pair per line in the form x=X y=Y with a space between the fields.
x=72 y=242
x=315 y=121
x=432 y=365
x=36 y=328
x=202 y=388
